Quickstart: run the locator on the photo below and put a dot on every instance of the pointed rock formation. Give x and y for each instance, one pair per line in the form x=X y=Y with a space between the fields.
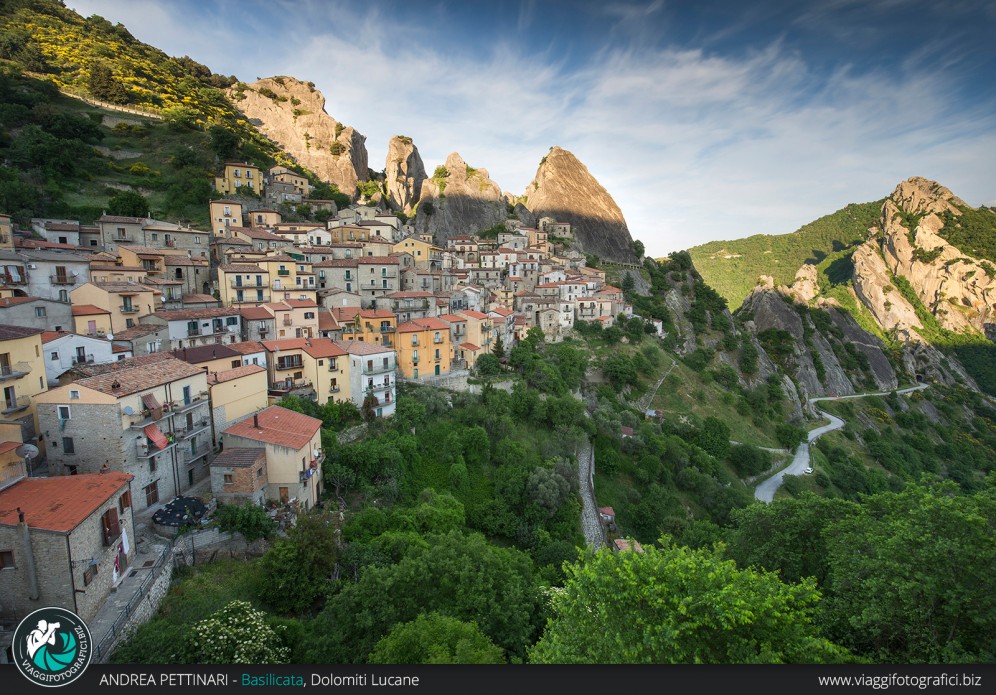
x=459 y=199
x=292 y=114
x=565 y=190
x=405 y=174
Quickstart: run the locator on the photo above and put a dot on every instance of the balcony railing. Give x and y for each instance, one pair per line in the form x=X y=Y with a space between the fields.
x=15 y=371
x=88 y=358
x=129 y=309
x=380 y=368
x=63 y=279
x=280 y=387
x=153 y=451
x=13 y=405
x=284 y=366
x=171 y=243
x=169 y=409
x=317 y=461
x=387 y=329
x=283 y=272
x=188 y=432
x=288 y=321
x=240 y=284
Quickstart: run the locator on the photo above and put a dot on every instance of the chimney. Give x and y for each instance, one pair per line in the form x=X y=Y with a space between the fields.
x=255 y=420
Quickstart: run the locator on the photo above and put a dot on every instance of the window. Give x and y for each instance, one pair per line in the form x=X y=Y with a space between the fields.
x=68 y=446
x=124 y=502
x=384 y=283
x=229 y=479
x=197 y=239
x=151 y=494
x=55 y=357
x=111 y=526
x=7 y=560
x=232 y=321
x=309 y=314
x=64 y=412
x=155 y=236
x=74 y=394
x=236 y=364
x=437 y=353
x=40 y=311
x=88 y=574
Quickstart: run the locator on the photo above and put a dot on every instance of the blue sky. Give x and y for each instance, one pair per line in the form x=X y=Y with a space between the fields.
x=704 y=120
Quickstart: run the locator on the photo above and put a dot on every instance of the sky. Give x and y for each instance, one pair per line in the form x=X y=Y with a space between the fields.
x=704 y=120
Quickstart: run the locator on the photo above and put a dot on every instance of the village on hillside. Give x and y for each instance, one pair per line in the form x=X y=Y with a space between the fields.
x=141 y=359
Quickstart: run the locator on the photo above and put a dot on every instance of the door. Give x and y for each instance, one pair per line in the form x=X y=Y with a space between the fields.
x=81 y=354
x=9 y=398
x=437 y=370
x=284 y=494
x=190 y=477
x=91 y=327
x=186 y=395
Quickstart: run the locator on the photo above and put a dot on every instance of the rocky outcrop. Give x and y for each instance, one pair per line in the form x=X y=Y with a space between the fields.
x=873 y=286
x=565 y=190
x=953 y=285
x=879 y=367
x=405 y=174
x=292 y=114
x=805 y=286
x=458 y=200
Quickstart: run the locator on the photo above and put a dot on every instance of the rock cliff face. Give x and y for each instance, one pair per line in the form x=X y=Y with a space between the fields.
x=873 y=286
x=292 y=114
x=405 y=174
x=832 y=356
x=953 y=285
x=463 y=201
x=565 y=190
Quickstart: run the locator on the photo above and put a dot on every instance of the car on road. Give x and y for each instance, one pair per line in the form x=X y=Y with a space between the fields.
x=809 y=470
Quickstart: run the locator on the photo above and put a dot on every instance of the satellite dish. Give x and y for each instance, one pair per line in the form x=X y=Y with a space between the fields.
x=27 y=451
x=110 y=336
x=128 y=410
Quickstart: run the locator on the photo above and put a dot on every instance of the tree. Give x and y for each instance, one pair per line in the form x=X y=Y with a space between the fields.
x=638 y=248
x=296 y=572
x=911 y=575
x=103 y=85
x=237 y=634
x=460 y=575
x=488 y=365
x=224 y=143
x=249 y=519
x=679 y=605
x=714 y=437
x=628 y=283
x=499 y=350
x=128 y=204
x=436 y=639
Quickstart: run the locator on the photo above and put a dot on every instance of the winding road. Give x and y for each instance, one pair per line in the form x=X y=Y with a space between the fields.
x=765 y=491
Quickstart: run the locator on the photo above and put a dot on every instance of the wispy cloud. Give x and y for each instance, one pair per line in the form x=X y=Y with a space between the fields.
x=693 y=142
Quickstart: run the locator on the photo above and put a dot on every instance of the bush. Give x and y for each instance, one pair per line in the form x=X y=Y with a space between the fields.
x=249 y=519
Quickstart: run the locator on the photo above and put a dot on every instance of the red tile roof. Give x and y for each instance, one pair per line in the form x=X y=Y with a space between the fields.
x=376 y=314
x=453 y=318
x=237 y=373
x=474 y=314
x=470 y=346
x=12 y=301
x=247 y=347
x=61 y=503
x=358 y=347
x=137 y=374
x=255 y=313
x=278 y=426
x=323 y=347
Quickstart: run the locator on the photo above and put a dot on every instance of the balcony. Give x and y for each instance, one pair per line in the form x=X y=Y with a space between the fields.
x=380 y=368
x=198 y=427
x=16 y=404
x=87 y=358
x=288 y=386
x=283 y=272
x=317 y=461
x=334 y=389
x=288 y=321
x=285 y=366
x=129 y=309
x=387 y=329
x=239 y=283
x=63 y=279
x=153 y=451
x=169 y=409
x=16 y=371
x=170 y=243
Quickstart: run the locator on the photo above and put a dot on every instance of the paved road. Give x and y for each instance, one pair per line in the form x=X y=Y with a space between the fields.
x=765 y=491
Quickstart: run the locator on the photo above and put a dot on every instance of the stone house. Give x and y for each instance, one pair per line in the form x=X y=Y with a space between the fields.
x=36 y=312
x=239 y=476
x=64 y=542
x=148 y=416
x=53 y=274
x=194 y=327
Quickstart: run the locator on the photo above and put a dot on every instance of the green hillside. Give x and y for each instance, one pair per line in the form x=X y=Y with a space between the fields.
x=732 y=267
x=67 y=158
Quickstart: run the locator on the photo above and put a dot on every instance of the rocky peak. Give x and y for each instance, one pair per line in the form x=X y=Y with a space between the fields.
x=459 y=199
x=565 y=190
x=292 y=114
x=958 y=289
x=405 y=173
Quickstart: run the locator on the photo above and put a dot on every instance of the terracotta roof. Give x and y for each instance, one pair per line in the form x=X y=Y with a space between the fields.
x=241 y=268
x=260 y=234
x=186 y=261
x=278 y=426
x=204 y=353
x=279 y=258
x=323 y=347
x=49 y=336
x=408 y=295
x=609 y=511
x=8 y=332
x=204 y=313
x=198 y=299
x=231 y=240
x=474 y=314
x=358 y=347
x=60 y=227
x=470 y=346
x=376 y=314
x=247 y=347
x=378 y=260
x=346 y=313
x=6 y=447
x=416 y=325
x=121 y=219
x=255 y=313
x=14 y=301
x=327 y=322
x=237 y=373
x=300 y=303
x=60 y=503
x=240 y=457
x=134 y=374
x=121 y=287
x=502 y=311
x=337 y=263
x=138 y=331
x=610 y=288
x=453 y=318
x=288 y=343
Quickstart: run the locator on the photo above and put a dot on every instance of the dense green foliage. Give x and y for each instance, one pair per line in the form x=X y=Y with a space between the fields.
x=973 y=231
x=436 y=639
x=249 y=519
x=676 y=605
x=781 y=255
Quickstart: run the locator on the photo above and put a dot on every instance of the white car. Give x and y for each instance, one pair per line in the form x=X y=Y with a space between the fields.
x=808 y=471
